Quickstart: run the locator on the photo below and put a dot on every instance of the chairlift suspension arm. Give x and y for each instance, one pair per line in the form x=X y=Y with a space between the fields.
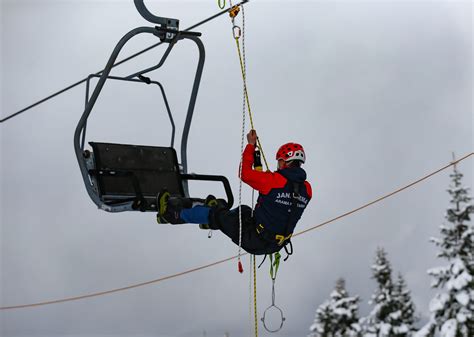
x=170 y=26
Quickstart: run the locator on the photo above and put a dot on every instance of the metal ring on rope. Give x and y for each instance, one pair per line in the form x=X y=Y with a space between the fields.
x=273 y=302
x=281 y=315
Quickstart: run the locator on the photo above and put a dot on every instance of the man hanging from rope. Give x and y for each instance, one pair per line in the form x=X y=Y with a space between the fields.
x=284 y=195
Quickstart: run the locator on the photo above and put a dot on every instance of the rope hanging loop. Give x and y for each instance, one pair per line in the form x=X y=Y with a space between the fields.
x=274 y=265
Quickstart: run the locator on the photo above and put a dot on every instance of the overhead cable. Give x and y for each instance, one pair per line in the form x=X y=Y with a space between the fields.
x=115 y=65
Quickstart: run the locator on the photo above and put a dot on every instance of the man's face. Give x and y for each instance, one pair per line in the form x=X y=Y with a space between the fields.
x=281 y=164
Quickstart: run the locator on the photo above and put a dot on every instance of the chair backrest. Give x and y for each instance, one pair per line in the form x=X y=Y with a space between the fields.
x=126 y=171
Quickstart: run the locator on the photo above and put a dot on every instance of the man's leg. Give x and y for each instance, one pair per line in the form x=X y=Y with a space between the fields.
x=198 y=214
x=177 y=210
x=228 y=220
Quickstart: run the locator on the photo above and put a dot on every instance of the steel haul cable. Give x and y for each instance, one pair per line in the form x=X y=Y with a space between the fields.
x=115 y=65
x=234 y=257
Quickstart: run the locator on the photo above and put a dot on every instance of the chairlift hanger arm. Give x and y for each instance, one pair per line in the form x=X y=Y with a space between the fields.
x=147 y=15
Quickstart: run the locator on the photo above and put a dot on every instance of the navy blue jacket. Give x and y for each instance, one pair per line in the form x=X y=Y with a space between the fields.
x=275 y=210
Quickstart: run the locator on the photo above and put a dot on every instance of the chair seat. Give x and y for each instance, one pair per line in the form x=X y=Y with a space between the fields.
x=132 y=172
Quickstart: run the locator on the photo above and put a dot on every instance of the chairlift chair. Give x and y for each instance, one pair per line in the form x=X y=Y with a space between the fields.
x=124 y=177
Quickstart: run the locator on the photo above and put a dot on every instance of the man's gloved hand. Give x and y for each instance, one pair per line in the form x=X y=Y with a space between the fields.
x=252 y=137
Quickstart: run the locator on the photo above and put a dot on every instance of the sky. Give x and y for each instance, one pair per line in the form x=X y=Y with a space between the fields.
x=378 y=93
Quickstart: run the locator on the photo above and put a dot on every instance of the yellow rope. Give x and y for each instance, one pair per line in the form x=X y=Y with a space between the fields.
x=255 y=296
x=248 y=101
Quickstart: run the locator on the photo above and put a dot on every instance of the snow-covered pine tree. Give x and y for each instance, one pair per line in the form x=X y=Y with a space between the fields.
x=345 y=309
x=452 y=309
x=337 y=317
x=404 y=322
x=382 y=320
x=323 y=322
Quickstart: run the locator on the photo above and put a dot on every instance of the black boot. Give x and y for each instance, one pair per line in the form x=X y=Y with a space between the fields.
x=169 y=208
x=211 y=202
x=220 y=206
x=162 y=206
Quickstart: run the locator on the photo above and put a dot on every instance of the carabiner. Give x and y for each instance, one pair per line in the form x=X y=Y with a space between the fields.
x=237 y=32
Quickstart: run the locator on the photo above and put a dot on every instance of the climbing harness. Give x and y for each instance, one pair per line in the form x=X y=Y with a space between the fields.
x=274 y=265
x=283 y=239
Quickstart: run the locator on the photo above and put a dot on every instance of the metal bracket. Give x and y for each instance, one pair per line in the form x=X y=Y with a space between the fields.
x=167 y=27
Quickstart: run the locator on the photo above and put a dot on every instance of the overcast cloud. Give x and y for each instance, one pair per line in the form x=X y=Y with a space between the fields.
x=379 y=94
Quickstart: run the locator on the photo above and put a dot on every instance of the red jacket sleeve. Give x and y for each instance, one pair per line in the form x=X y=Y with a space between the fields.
x=309 y=189
x=261 y=181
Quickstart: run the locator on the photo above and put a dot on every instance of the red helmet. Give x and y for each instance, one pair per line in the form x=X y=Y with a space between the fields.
x=291 y=151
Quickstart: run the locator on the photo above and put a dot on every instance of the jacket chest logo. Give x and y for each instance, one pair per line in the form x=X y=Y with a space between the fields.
x=283 y=195
x=286 y=198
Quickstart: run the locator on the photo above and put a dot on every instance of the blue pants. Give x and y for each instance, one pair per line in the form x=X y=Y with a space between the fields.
x=197 y=214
